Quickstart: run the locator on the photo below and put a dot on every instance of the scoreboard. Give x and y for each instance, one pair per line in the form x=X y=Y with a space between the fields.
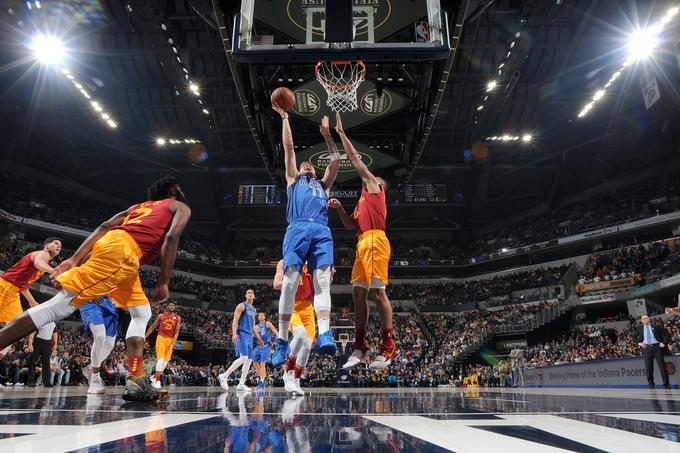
x=425 y=193
x=259 y=194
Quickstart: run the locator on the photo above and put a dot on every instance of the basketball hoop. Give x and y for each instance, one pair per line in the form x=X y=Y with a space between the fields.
x=344 y=339
x=341 y=79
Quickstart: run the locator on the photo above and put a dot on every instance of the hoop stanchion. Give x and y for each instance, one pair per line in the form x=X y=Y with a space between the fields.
x=341 y=79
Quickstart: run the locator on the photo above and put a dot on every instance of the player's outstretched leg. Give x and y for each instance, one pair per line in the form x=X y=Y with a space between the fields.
x=360 y=348
x=291 y=279
x=101 y=348
x=297 y=360
x=322 y=307
x=242 y=387
x=139 y=387
x=388 y=348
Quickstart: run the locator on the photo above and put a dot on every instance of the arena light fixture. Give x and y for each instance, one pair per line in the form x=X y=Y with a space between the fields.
x=642 y=42
x=194 y=89
x=526 y=138
x=641 y=45
x=160 y=141
x=205 y=111
x=47 y=49
x=112 y=123
x=480 y=107
x=491 y=86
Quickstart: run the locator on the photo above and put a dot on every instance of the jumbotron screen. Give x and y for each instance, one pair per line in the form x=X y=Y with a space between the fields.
x=259 y=194
x=424 y=193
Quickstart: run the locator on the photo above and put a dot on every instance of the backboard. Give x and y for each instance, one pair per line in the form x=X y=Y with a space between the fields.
x=293 y=30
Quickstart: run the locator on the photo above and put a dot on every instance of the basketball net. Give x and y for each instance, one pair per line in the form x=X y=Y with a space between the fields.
x=341 y=79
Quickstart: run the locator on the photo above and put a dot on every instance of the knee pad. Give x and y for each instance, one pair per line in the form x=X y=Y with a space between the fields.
x=55 y=309
x=140 y=318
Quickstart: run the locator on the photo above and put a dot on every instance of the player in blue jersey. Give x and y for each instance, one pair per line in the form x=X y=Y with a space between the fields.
x=243 y=329
x=101 y=320
x=263 y=353
x=308 y=238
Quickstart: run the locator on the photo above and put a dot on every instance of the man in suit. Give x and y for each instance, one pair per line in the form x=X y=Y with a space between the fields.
x=653 y=340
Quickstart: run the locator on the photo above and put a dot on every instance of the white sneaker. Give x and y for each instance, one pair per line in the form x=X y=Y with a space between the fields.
x=19 y=384
x=296 y=390
x=223 y=381
x=289 y=381
x=243 y=388
x=96 y=385
x=355 y=359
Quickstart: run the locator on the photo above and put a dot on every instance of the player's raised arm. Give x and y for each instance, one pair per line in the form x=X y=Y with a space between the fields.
x=369 y=179
x=278 y=278
x=152 y=326
x=86 y=247
x=288 y=147
x=332 y=169
x=181 y=217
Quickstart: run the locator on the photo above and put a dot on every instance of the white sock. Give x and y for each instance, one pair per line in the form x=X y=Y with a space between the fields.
x=284 y=328
x=244 y=372
x=324 y=324
x=291 y=280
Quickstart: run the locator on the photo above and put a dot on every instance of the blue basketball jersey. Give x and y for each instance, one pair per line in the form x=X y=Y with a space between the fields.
x=307 y=201
x=245 y=323
x=265 y=333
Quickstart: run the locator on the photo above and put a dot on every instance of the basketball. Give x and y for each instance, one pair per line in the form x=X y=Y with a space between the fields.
x=284 y=98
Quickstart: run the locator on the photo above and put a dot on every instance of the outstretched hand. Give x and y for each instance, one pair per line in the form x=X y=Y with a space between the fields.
x=338 y=124
x=325 y=126
x=334 y=203
x=279 y=110
x=61 y=268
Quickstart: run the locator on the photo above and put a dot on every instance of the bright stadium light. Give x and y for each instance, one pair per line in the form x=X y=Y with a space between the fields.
x=526 y=138
x=491 y=85
x=47 y=49
x=598 y=95
x=160 y=141
x=194 y=89
x=642 y=43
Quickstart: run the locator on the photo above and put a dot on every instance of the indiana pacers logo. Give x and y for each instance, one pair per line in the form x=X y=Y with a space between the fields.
x=670 y=368
x=307 y=103
x=368 y=15
x=374 y=105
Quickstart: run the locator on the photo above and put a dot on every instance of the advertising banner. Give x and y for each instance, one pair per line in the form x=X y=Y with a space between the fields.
x=605 y=284
x=182 y=345
x=609 y=297
x=627 y=372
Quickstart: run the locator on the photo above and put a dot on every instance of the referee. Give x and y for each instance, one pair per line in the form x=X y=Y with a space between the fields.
x=653 y=340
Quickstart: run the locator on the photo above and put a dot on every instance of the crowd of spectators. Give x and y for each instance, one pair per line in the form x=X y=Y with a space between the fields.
x=640 y=200
x=448 y=293
x=643 y=263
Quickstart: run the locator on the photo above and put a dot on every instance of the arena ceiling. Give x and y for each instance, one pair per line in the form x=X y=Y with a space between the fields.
x=136 y=58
